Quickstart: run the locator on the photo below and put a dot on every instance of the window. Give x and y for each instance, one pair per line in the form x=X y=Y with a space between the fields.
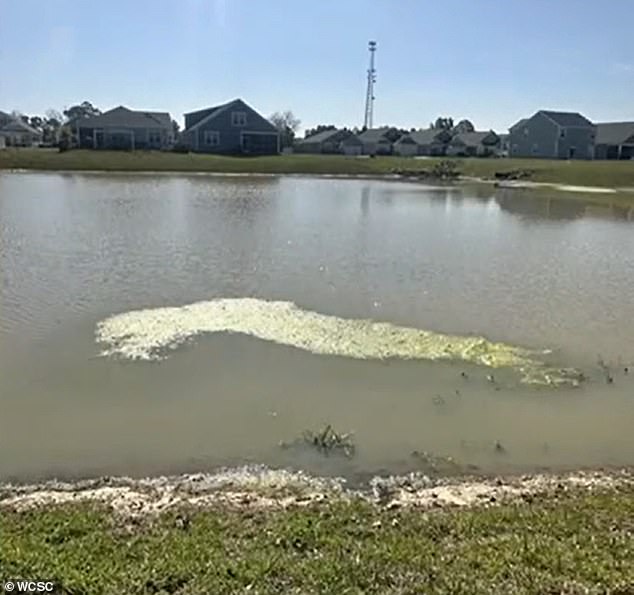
x=211 y=138
x=238 y=118
x=154 y=137
x=562 y=133
x=535 y=149
x=525 y=131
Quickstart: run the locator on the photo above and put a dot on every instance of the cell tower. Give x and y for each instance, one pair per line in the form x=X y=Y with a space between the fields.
x=369 y=95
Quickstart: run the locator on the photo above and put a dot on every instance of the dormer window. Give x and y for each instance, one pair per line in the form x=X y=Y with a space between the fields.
x=238 y=118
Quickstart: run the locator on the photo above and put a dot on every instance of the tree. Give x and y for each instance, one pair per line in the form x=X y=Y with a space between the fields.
x=82 y=110
x=36 y=122
x=287 y=125
x=442 y=124
x=52 y=125
x=464 y=126
x=320 y=128
x=393 y=134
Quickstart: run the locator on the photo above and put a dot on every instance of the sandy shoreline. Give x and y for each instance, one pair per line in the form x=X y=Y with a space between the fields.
x=264 y=488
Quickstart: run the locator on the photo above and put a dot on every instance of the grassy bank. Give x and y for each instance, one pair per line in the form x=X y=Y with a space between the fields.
x=568 y=542
x=584 y=173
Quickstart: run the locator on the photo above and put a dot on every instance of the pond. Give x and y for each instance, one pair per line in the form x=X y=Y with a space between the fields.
x=166 y=323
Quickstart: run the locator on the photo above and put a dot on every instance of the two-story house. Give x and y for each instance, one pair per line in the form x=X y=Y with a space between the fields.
x=231 y=128
x=553 y=135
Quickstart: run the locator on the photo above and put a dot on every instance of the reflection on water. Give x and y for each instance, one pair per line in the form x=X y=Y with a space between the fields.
x=78 y=249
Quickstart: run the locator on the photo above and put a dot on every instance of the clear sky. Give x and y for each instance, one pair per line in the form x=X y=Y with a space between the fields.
x=492 y=61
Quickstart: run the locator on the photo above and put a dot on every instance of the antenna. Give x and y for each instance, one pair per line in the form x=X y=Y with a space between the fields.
x=369 y=94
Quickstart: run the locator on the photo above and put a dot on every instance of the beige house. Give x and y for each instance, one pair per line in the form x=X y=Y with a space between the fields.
x=16 y=133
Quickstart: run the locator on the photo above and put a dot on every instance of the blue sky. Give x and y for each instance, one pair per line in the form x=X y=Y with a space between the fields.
x=492 y=61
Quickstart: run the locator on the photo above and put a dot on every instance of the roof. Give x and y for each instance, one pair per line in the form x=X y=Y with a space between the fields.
x=213 y=112
x=566 y=119
x=374 y=135
x=519 y=123
x=319 y=137
x=423 y=137
x=19 y=126
x=473 y=139
x=126 y=118
x=614 y=133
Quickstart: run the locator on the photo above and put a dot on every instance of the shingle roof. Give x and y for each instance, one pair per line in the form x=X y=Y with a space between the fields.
x=209 y=112
x=473 y=139
x=614 y=133
x=212 y=112
x=373 y=135
x=126 y=118
x=423 y=137
x=15 y=125
x=567 y=118
x=519 y=123
x=320 y=137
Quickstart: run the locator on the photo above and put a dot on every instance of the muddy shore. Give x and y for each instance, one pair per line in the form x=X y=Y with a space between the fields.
x=264 y=488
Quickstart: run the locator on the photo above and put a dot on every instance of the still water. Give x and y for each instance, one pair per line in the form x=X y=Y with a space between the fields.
x=536 y=271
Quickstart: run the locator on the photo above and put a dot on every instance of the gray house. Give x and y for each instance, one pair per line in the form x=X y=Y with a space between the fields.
x=474 y=144
x=553 y=135
x=123 y=128
x=432 y=141
x=231 y=128
x=615 y=140
x=375 y=142
x=328 y=141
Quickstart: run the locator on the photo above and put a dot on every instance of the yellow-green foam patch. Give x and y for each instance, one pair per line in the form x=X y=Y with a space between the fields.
x=146 y=334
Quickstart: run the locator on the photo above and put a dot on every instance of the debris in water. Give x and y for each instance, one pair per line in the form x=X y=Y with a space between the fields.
x=499 y=448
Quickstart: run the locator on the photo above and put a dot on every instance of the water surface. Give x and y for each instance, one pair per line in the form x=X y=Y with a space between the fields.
x=524 y=269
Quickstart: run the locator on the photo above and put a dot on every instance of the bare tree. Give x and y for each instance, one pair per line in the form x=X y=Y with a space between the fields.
x=287 y=124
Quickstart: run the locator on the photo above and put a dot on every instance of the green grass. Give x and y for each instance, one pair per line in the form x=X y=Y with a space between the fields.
x=584 y=173
x=574 y=542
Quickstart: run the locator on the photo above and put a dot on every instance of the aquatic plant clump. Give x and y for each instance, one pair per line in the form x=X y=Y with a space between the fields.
x=147 y=334
x=325 y=442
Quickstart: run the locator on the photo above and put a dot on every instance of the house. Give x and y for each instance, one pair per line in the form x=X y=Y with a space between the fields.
x=615 y=140
x=432 y=141
x=123 y=128
x=16 y=133
x=504 y=145
x=375 y=142
x=553 y=135
x=352 y=145
x=474 y=144
x=328 y=141
x=231 y=128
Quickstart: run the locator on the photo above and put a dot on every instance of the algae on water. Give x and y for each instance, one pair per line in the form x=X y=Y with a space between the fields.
x=146 y=334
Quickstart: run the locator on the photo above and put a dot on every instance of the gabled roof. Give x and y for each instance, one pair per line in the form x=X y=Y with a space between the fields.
x=320 y=137
x=472 y=139
x=566 y=119
x=424 y=137
x=615 y=133
x=214 y=112
x=519 y=123
x=374 y=135
x=126 y=118
x=19 y=126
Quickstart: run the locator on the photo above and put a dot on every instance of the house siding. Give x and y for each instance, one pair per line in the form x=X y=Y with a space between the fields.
x=230 y=136
x=541 y=140
x=544 y=140
x=580 y=141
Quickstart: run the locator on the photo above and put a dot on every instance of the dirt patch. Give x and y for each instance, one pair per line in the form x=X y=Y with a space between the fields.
x=264 y=488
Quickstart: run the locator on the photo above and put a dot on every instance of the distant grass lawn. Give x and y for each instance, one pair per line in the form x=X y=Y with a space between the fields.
x=582 y=173
x=574 y=542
